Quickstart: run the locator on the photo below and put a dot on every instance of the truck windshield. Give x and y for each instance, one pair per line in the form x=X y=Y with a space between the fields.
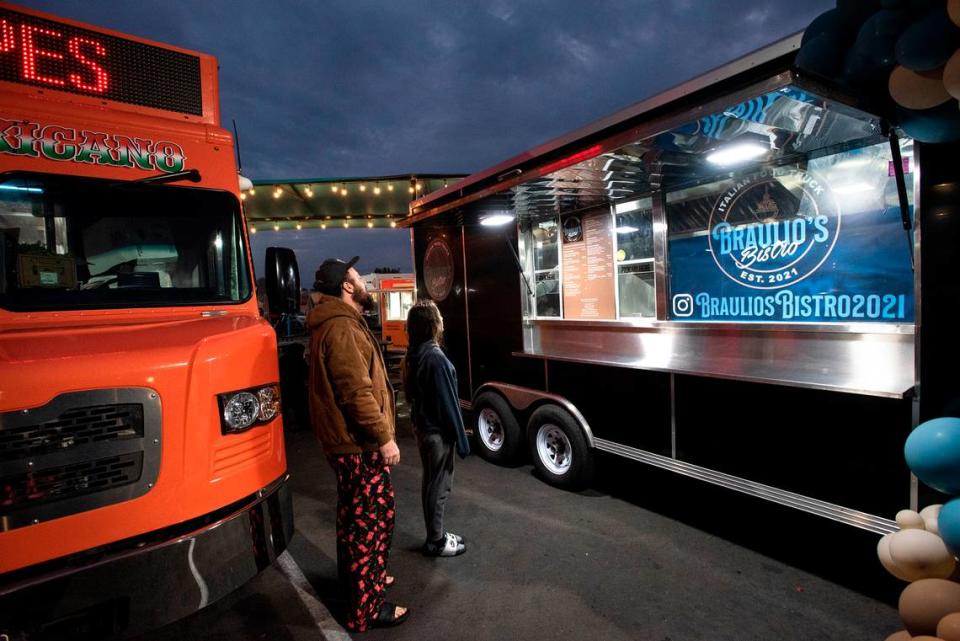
x=80 y=243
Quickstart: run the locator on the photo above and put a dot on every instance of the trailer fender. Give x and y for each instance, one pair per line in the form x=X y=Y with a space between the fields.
x=522 y=399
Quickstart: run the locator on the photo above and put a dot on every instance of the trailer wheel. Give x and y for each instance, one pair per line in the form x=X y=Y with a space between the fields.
x=496 y=429
x=558 y=448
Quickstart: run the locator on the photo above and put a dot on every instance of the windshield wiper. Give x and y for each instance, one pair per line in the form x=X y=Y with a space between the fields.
x=193 y=175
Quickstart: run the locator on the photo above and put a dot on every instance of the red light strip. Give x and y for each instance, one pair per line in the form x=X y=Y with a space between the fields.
x=102 y=79
x=573 y=159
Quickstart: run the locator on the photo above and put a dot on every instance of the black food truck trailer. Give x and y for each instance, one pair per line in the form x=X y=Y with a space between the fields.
x=726 y=281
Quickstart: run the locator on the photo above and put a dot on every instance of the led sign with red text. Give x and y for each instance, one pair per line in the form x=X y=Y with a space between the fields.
x=54 y=55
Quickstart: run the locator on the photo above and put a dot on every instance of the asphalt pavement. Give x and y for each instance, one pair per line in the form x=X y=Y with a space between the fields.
x=641 y=555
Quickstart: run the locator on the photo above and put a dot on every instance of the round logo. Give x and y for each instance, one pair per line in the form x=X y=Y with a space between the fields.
x=438 y=269
x=773 y=229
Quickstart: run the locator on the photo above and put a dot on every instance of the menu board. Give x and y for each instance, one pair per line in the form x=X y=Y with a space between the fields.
x=588 y=284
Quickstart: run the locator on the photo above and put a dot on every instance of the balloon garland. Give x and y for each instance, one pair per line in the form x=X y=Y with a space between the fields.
x=924 y=550
x=900 y=58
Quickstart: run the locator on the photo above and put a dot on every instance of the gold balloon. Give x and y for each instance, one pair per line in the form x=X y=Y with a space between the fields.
x=923 y=603
x=917 y=90
x=949 y=627
x=953 y=10
x=951 y=75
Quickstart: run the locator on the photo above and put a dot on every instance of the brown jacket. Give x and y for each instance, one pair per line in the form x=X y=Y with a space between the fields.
x=351 y=399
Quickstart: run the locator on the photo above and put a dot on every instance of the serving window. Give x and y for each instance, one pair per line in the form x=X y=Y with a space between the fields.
x=780 y=208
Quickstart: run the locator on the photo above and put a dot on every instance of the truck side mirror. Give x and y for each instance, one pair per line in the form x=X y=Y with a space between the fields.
x=283 y=281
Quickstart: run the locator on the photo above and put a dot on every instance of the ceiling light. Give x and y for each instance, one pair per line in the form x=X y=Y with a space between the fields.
x=623 y=208
x=736 y=153
x=496 y=220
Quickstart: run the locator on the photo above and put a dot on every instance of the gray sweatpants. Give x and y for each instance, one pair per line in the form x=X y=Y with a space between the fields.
x=437 y=458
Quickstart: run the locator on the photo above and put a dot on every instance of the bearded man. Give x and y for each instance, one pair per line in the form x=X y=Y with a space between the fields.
x=352 y=414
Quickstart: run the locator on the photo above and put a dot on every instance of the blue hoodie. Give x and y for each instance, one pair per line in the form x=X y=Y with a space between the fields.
x=436 y=406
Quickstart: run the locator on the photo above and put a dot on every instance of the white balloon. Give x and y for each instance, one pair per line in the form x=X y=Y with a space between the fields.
x=883 y=553
x=931 y=511
x=921 y=555
x=909 y=520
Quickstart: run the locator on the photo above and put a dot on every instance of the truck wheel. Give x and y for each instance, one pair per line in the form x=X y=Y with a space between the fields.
x=558 y=448
x=496 y=428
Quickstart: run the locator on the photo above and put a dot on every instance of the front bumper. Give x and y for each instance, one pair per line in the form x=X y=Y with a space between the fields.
x=141 y=584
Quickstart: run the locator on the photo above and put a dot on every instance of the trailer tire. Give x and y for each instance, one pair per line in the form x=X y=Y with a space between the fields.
x=496 y=430
x=559 y=449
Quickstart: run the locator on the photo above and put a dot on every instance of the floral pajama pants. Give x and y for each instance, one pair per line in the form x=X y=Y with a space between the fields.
x=365 y=517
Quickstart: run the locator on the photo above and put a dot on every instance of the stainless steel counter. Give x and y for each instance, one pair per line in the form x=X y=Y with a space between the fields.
x=868 y=359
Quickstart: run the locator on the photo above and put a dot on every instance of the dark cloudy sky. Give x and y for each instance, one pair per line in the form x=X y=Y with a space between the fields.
x=377 y=87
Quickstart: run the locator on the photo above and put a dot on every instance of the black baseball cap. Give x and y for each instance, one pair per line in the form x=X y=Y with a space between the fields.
x=331 y=274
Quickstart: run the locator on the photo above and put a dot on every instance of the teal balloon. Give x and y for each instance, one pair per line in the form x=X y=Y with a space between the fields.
x=856 y=11
x=829 y=23
x=933 y=453
x=938 y=125
x=949 y=525
x=823 y=56
x=929 y=42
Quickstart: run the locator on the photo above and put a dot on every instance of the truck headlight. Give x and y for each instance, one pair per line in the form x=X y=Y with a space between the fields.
x=241 y=410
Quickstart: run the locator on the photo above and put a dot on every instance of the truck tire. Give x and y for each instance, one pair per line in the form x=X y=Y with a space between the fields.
x=559 y=449
x=498 y=436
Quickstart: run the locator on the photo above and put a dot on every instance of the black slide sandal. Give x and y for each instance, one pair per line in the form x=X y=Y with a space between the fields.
x=387 y=616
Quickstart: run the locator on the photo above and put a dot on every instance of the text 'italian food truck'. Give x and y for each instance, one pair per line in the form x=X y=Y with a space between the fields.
x=142 y=467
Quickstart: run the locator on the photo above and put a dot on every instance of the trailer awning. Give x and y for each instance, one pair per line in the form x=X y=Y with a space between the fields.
x=377 y=201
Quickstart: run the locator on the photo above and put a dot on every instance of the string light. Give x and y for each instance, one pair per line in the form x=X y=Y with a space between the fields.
x=419 y=186
x=243 y=196
x=309 y=192
x=346 y=224
x=349 y=216
x=334 y=188
x=389 y=186
x=370 y=224
x=299 y=226
x=393 y=223
x=252 y=191
x=363 y=187
x=410 y=188
x=376 y=190
x=343 y=190
x=277 y=193
x=253 y=230
x=323 y=225
x=276 y=228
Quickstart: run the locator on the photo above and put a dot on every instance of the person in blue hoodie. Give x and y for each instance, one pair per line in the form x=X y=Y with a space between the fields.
x=430 y=383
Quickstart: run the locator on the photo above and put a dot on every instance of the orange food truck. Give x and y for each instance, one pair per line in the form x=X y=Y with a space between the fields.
x=395 y=294
x=142 y=465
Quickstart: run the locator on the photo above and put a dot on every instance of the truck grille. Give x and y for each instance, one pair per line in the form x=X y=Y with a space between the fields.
x=73 y=427
x=81 y=451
